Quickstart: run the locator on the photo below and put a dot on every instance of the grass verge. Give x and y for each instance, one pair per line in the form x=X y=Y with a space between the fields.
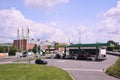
x=32 y=72
x=114 y=70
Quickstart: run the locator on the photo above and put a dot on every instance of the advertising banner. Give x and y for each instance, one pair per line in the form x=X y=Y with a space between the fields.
x=3 y=55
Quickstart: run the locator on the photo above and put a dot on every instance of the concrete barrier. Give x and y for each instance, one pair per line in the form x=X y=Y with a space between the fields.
x=113 y=53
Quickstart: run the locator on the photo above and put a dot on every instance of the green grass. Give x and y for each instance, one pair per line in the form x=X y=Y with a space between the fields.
x=114 y=70
x=32 y=72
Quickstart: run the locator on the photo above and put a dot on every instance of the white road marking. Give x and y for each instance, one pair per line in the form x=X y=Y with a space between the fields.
x=71 y=69
x=60 y=61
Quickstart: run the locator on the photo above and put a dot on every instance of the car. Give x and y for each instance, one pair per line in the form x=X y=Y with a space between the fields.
x=24 y=54
x=58 y=55
x=40 y=61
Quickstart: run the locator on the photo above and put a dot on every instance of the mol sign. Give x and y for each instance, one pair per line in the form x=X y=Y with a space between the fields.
x=73 y=48
x=87 y=47
x=82 y=47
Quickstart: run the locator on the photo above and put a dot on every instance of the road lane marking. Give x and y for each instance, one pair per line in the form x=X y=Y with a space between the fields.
x=94 y=70
x=60 y=61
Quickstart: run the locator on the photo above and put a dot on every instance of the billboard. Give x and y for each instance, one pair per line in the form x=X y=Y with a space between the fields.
x=3 y=55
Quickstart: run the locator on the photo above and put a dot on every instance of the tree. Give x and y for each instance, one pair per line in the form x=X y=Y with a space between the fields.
x=49 y=46
x=115 y=44
x=19 y=50
x=12 y=50
x=29 y=50
x=2 y=49
x=35 y=49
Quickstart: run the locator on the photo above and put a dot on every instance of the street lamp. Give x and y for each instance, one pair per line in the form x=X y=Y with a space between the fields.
x=38 y=48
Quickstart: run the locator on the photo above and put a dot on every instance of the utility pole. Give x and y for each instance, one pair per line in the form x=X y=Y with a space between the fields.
x=79 y=40
x=17 y=39
x=22 y=41
x=69 y=40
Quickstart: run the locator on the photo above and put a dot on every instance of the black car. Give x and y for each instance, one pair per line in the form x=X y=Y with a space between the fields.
x=40 y=61
x=24 y=54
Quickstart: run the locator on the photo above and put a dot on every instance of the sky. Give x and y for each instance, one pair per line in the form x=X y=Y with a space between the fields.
x=85 y=21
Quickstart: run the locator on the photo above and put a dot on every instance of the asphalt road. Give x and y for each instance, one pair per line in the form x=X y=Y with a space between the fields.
x=85 y=70
x=80 y=69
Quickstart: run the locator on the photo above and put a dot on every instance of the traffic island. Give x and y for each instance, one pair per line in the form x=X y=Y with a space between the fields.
x=114 y=70
x=32 y=72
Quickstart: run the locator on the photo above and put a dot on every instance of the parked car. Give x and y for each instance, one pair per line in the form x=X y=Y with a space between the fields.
x=24 y=54
x=58 y=55
x=40 y=61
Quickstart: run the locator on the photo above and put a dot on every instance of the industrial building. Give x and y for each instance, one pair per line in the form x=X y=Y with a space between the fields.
x=23 y=44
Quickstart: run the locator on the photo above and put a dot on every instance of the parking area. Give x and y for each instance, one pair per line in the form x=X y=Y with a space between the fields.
x=84 y=69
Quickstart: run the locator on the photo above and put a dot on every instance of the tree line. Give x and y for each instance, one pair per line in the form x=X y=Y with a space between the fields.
x=11 y=50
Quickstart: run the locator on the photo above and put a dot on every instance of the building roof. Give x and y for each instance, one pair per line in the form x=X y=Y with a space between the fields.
x=91 y=45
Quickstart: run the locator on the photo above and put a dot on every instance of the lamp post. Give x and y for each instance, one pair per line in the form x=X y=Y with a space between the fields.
x=39 y=50
x=8 y=50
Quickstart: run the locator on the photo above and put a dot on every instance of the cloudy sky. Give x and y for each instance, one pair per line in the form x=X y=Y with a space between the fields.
x=89 y=21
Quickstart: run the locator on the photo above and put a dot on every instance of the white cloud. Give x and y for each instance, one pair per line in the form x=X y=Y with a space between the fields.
x=46 y=4
x=82 y=34
x=109 y=27
x=11 y=19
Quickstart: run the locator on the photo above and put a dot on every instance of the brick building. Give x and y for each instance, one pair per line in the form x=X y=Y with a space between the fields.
x=23 y=44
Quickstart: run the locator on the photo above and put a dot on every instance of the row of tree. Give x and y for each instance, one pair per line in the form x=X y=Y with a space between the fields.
x=11 y=50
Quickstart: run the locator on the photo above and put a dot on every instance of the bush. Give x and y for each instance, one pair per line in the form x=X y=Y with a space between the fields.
x=114 y=70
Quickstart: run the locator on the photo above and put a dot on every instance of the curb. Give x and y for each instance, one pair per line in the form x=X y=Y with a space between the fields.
x=71 y=76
